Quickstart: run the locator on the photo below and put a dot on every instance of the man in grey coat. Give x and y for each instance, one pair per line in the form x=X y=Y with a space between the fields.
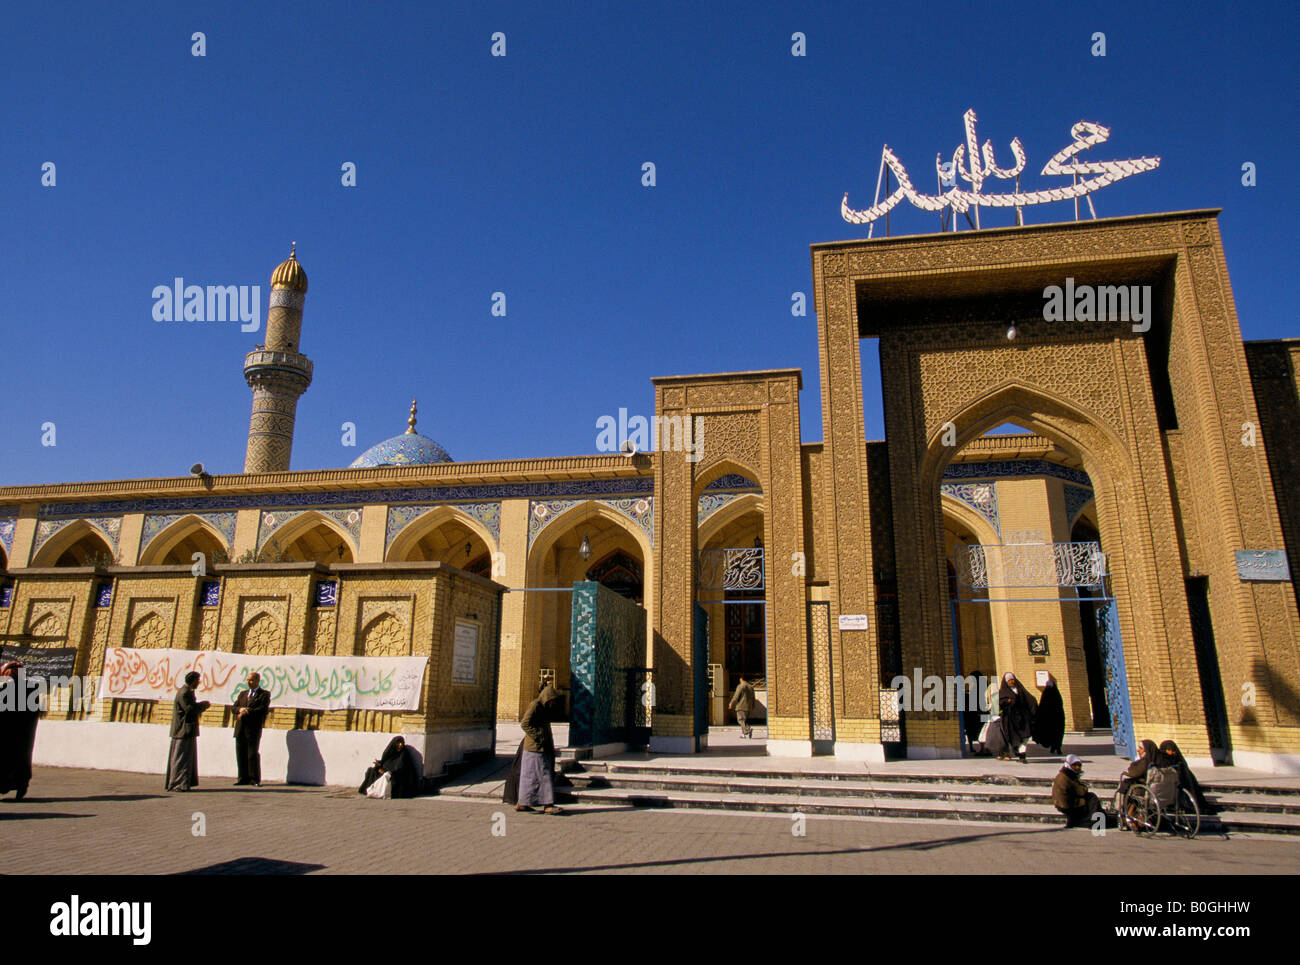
x=742 y=702
x=183 y=760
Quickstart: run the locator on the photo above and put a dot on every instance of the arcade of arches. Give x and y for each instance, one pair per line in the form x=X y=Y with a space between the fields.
x=1127 y=538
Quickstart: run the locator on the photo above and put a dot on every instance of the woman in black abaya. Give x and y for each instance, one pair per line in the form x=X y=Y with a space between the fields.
x=1049 y=721
x=1170 y=756
x=1017 y=720
x=399 y=764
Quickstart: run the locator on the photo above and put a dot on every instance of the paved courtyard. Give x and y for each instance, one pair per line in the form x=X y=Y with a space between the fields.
x=105 y=822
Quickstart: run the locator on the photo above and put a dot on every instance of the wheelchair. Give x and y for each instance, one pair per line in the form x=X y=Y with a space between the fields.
x=1145 y=808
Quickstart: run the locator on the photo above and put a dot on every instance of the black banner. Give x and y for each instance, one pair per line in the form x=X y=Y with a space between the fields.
x=44 y=662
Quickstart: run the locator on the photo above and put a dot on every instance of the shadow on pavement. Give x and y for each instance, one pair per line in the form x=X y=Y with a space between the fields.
x=38 y=815
x=255 y=866
x=712 y=859
x=90 y=797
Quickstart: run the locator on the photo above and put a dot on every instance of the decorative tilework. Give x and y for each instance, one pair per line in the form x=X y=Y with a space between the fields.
x=606 y=649
x=6 y=595
x=1076 y=497
x=981 y=497
x=287 y=298
x=110 y=527
x=223 y=523
x=327 y=593
x=7 y=534
x=710 y=503
x=542 y=513
x=1015 y=467
x=272 y=522
x=104 y=594
x=210 y=593
x=587 y=489
x=732 y=481
x=399 y=517
x=408 y=449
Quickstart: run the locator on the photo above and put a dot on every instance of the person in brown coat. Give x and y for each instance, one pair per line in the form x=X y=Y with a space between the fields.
x=1071 y=796
x=742 y=702
x=535 y=784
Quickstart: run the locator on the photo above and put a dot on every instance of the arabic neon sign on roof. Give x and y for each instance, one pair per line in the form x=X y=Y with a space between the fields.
x=976 y=165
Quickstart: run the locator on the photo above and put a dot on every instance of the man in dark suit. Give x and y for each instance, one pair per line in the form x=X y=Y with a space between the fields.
x=251 y=707
x=182 y=760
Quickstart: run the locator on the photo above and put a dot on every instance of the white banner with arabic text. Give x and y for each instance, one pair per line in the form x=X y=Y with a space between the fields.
x=307 y=682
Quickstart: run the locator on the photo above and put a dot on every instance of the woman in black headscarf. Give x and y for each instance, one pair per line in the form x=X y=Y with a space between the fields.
x=1171 y=756
x=1017 y=720
x=1049 y=721
x=17 y=730
x=397 y=762
x=1136 y=773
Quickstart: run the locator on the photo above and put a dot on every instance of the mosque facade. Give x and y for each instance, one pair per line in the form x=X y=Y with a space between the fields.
x=1132 y=542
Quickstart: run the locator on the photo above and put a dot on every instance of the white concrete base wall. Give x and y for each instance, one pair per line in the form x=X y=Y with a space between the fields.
x=296 y=756
x=845 y=751
x=789 y=748
x=922 y=752
x=1268 y=763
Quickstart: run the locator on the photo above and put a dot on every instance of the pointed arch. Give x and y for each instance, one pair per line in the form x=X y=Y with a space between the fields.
x=178 y=541
x=77 y=544
x=407 y=540
x=728 y=514
x=576 y=515
x=385 y=636
x=150 y=632
x=302 y=539
x=262 y=636
x=724 y=467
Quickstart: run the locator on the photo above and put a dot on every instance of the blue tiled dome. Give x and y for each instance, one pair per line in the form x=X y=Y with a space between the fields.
x=408 y=449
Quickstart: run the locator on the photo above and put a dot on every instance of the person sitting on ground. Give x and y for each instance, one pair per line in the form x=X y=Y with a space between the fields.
x=1049 y=721
x=1017 y=717
x=1070 y=795
x=1171 y=756
x=398 y=763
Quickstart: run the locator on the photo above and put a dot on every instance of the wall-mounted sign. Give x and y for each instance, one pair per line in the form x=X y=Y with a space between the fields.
x=1038 y=645
x=853 y=621
x=1268 y=565
x=464 y=655
x=966 y=161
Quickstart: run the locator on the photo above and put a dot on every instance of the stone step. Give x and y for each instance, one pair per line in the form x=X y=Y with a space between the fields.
x=949 y=791
x=890 y=806
x=1103 y=786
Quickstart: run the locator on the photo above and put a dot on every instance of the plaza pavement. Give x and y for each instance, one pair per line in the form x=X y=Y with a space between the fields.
x=106 y=822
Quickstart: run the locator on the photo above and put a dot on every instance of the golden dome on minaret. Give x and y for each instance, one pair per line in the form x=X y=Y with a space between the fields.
x=289 y=274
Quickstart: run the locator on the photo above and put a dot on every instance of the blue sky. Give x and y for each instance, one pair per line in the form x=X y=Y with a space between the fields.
x=522 y=174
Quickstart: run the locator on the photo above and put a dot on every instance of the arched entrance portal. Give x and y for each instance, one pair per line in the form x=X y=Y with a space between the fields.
x=589 y=541
x=732 y=591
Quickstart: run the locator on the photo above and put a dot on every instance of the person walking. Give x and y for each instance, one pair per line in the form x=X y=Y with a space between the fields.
x=183 y=758
x=742 y=702
x=1017 y=717
x=1049 y=721
x=251 y=708
x=536 y=787
x=19 y=712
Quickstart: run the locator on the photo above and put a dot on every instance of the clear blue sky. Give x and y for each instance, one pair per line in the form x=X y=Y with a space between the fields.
x=522 y=174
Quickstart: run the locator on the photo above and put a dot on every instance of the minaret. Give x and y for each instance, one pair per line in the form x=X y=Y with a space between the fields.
x=277 y=372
